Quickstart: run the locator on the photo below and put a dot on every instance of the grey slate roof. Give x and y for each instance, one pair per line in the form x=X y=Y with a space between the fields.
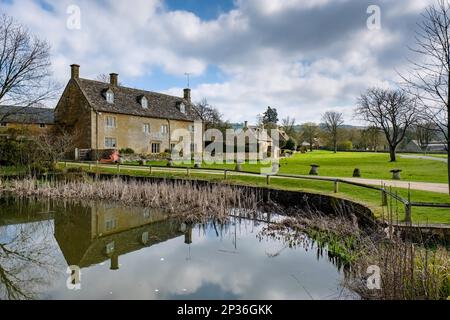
x=127 y=101
x=27 y=115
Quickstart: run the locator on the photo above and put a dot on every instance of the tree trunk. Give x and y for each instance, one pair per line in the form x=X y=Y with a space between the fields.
x=393 y=153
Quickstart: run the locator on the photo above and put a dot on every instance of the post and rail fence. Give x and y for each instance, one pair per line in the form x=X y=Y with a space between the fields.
x=151 y=169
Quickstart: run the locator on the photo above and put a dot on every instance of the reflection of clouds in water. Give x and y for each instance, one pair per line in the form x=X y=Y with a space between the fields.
x=214 y=265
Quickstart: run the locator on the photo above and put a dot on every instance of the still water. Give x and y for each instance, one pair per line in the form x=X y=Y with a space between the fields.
x=137 y=253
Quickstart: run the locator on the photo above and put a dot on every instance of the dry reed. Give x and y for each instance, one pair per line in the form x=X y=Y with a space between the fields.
x=192 y=201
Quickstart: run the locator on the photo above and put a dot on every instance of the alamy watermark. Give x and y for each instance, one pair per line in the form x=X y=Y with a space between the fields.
x=374 y=20
x=374 y=279
x=253 y=146
x=73 y=21
x=74 y=279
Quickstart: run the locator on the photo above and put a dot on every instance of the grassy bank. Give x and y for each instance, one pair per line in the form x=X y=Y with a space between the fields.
x=342 y=164
x=370 y=198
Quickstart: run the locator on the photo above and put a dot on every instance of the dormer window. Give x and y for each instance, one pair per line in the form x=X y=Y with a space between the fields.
x=182 y=108
x=110 y=96
x=144 y=102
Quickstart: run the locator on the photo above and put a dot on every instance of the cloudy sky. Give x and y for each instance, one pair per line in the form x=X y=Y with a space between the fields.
x=302 y=57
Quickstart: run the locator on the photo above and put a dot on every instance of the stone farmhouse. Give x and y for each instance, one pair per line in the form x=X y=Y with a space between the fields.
x=110 y=116
x=35 y=121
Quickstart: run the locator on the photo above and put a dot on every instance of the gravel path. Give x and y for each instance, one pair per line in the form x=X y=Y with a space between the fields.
x=423 y=158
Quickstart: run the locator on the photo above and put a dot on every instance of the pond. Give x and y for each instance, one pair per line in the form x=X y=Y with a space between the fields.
x=118 y=252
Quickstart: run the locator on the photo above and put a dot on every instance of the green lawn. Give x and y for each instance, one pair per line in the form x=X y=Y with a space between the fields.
x=342 y=164
x=370 y=198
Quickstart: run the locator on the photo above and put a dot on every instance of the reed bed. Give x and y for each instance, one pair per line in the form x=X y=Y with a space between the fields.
x=408 y=270
x=192 y=201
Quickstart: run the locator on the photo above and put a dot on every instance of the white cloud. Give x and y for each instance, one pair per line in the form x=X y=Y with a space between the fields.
x=302 y=57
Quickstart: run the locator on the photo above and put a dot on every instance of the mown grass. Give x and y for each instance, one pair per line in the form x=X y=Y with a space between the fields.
x=370 y=198
x=342 y=164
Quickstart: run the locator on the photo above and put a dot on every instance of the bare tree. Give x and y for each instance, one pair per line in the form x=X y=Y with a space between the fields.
x=371 y=137
x=429 y=79
x=424 y=132
x=103 y=77
x=25 y=76
x=390 y=110
x=288 y=125
x=333 y=120
x=310 y=132
x=211 y=117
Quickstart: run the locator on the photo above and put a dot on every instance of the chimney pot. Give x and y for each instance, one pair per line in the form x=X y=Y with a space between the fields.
x=75 y=71
x=187 y=94
x=114 y=79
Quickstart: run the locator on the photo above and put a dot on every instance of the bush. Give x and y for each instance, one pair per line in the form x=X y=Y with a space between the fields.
x=126 y=151
x=345 y=146
x=75 y=170
x=290 y=144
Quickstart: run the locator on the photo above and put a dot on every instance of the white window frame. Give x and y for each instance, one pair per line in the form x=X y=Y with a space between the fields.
x=113 y=142
x=156 y=147
x=146 y=128
x=183 y=108
x=110 y=96
x=42 y=125
x=164 y=129
x=112 y=123
x=192 y=128
x=3 y=124
x=144 y=103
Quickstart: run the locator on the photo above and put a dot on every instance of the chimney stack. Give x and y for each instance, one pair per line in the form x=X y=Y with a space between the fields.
x=114 y=79
x=75 y=71
x=187 y=94
x=245 y=124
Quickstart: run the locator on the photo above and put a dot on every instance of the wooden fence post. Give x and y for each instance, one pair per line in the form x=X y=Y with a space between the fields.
x=408 y=212
x=188 y=172
x=268 y=179
x=336 y=186
x=150 y=169
x=225 y=172
x=384 y=198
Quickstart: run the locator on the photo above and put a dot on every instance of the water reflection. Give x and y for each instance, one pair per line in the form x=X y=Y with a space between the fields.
x=138 y=253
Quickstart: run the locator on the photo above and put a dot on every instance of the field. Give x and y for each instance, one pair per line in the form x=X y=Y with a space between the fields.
x=342 y=164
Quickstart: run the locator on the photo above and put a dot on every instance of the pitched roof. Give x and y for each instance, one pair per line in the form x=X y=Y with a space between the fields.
x=27 y=115
x=127 y=101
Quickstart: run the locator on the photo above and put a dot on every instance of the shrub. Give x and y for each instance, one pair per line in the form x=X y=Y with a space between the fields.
x=290 y=144
x=345 y=146
x=75 y=170
x=126 y=151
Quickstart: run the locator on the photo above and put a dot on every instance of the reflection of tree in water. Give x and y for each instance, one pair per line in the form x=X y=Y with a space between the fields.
x=335 y=240
x=27 y=259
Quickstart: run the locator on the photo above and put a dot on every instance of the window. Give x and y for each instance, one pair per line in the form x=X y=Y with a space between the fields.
x=156 y=147
x=192 y=128
x=183 y=108
x=146 y=128
x=110 y=96
x=110 y=142
x=144 y=102
x=111 y=122
x=172 y=146
x=164 y=129
x=111 y=224
x=42 y=125
x=3 y=124
x=193 y=147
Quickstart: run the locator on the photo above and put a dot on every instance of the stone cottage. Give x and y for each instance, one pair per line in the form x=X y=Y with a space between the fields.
x=110 y=116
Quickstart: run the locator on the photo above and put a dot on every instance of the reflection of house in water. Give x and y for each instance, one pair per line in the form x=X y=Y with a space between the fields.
x=106 y=232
